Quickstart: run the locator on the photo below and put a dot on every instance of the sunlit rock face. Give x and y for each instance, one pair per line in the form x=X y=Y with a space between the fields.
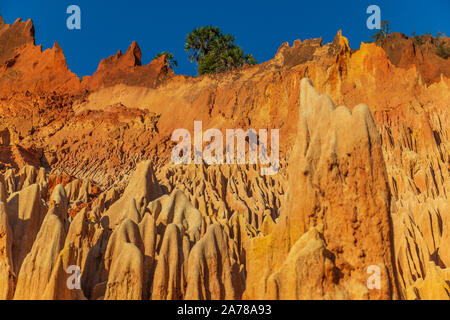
x=92 y=207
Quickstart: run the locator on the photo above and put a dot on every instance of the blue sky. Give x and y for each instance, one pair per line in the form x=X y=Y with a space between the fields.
x=258 y=26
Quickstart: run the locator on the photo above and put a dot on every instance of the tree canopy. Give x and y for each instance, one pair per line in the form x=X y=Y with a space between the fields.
x=214 y=51
x=384 y=32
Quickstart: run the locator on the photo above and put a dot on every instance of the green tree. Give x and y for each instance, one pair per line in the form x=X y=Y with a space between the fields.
x=171 y=62
x=418 y=40
x=384 y=32
x=198 y=42
x=214 y=51
x=442 y=50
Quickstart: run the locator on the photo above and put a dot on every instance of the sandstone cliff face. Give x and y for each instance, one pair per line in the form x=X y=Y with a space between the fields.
x=14 y=36
x=86 y=181
x=7 y=275
x=336 y=220
x=127 y=69
x=36 y=269
x=418 y=51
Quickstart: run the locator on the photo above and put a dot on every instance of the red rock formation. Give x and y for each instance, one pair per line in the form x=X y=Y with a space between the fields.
x=127 y=69
x=13 y=37
x=358 y=185
x=420 y=52
x=338 y=187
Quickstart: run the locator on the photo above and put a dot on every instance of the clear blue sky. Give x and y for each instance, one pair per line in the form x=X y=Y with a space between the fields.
x=258 y=26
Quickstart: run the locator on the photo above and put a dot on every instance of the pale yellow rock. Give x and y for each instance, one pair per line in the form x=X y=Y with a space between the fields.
x=25 y=215
x=211 y=273
x=147 y=228
x=10 y=181
x=125 y=279
x=169 y=278
x=42 y=181
x=38 y=265
x=65 y=282
x=267 y=225
x=27 y=177
x=7 y=276
x=142 y=188
x=302 y=273
x=78 y=191
x=124 y=262
x=223 y=191
x=94 y=269
x=59 y=203
x=3 y=190
x=127 y=232
x=73 y=189
x=338 y=185
x=81 y=235
x=422 y=234
x=177 y=209
x=435 y=286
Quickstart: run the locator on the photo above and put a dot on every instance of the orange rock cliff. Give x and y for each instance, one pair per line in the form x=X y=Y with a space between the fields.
x=359 y=209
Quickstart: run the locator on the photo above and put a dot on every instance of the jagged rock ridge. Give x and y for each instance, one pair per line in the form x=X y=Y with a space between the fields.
x=363 y=185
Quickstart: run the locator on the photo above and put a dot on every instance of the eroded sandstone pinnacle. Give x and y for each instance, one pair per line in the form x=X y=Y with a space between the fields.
x=86 y=181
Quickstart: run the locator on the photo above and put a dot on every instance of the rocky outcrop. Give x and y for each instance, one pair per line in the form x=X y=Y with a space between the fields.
x=25 y=216
x=212 y=274
x=345 y=195
x=87 y=183
x=302 y=273
x=226 y=190
x=422 y=233
x=433 y=287
x=176 y=209
x=64 y=283
x=142 y=188
x=124 y=263
x=148 y=231
x=36 y=270
x=169 y=277
x=30 y=68
x=417 y=51
x=7 y=275
x=14 y=36
x=127 y=68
